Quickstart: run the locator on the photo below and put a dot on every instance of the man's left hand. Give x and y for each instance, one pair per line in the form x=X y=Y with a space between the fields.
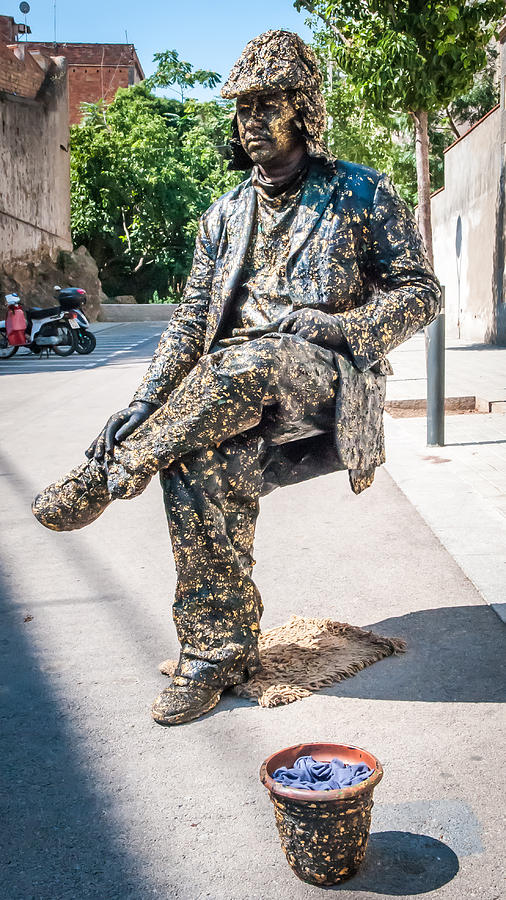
x=315 y=326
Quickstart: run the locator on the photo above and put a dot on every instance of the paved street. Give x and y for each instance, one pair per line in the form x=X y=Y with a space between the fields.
x=459 y=489
x=116 y=344
x=102 y=803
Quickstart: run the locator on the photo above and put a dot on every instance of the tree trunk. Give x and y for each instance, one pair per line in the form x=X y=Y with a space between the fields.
x=452 y=123
x=420 y=118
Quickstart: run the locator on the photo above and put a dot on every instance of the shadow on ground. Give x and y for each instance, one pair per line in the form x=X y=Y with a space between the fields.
x=454 y=655
x=59 y=839
x=479 y=347
x=399 y=863
x=63 y=840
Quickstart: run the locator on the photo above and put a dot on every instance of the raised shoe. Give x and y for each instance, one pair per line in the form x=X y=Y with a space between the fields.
x=75 y=500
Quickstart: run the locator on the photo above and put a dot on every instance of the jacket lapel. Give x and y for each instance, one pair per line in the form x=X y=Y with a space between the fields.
x=317 y=193
x=239 y=227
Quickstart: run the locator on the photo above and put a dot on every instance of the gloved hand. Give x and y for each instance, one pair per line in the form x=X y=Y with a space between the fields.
x=315 y=326
x=118 y=427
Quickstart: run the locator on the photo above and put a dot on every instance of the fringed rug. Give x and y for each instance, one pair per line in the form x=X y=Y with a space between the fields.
x=304 y=655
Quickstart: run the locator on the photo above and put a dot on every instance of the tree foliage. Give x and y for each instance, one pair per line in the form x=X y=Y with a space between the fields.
x=405 y=55
x=481 y=97
x=172 y=70
x=358 y=133
x=411 y=57
x=143 y=169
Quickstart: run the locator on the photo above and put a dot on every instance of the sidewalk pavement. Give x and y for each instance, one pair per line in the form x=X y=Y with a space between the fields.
x=459 y=489
x=102 y=803
x=472 y=371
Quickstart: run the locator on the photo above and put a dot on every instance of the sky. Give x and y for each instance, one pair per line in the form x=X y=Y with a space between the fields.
x=208 y=33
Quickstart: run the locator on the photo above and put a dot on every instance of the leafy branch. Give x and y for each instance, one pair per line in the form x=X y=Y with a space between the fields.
x=172 y=70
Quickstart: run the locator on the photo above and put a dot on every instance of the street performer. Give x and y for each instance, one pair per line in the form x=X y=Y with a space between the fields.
x=270 y=372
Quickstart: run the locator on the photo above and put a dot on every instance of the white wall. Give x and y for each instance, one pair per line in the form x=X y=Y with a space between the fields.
x=471 y=192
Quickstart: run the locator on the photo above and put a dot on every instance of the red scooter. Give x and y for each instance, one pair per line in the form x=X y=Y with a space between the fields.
x=37 y=329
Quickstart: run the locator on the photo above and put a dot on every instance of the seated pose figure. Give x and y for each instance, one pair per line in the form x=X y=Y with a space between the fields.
x=271 y=371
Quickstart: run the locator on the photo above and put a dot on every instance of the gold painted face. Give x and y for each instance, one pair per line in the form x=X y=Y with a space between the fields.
x=267 y=126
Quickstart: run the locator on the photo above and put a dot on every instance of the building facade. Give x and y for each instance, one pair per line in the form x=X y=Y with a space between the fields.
x=95 y=71
x=10 y=30
x=468 y=222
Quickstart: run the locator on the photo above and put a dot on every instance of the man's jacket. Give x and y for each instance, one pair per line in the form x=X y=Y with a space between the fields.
x=356 y=253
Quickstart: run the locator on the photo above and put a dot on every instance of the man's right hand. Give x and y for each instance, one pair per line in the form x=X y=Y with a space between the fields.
x=119 y=427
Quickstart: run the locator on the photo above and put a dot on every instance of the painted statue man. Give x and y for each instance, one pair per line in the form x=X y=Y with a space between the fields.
x=271 y=371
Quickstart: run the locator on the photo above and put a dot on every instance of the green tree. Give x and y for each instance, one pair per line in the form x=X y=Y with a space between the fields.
x=172 y=70
x=358 y=133
x=409 y=56
x=482 y=96
x=143 y=169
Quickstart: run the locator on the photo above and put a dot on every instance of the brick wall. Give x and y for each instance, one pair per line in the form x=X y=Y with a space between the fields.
x=95 y=71
x=19 y=72
x=7 y=29
x=87 y=84
x=93 y=54
x=10 y=30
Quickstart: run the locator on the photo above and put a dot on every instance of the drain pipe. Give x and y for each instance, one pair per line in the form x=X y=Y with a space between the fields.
x=435 y=355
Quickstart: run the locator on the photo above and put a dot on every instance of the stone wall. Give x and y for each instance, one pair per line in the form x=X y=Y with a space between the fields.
x=469 y=226
x=136 y=312
x=34 y=158
x=35 y=243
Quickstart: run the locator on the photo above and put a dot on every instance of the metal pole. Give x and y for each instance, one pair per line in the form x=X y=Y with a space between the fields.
x=435 y=348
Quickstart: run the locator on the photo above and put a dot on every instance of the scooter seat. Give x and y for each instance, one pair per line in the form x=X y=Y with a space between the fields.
x=37 y=313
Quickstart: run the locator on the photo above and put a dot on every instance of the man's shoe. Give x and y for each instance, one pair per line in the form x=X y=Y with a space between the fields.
x=76 y=500
x=180 y=703
x=127 y=476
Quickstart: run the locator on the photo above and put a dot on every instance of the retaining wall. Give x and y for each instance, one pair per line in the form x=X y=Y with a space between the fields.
x=136 y=312
x=34 y=158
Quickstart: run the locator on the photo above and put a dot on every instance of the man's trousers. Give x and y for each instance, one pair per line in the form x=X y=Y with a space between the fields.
x=217 y=427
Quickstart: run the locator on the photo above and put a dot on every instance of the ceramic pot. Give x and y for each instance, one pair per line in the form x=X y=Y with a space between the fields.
x=323 y=833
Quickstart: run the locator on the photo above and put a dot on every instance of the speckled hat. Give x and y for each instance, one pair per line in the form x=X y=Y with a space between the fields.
x=281 y=61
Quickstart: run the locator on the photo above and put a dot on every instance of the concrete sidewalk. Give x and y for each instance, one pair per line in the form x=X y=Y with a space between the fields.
x=103 y=804
x=473 y=371
x=459 y=489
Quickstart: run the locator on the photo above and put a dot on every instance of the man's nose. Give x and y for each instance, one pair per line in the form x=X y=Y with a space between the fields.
x=255 y=112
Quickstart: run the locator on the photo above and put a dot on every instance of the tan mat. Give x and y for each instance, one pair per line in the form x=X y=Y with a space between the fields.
x=304 y=655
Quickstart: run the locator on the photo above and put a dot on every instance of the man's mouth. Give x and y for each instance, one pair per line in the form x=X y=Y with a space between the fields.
x=257 y=138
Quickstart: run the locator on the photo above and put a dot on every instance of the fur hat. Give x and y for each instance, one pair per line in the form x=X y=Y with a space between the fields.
x=281 y=61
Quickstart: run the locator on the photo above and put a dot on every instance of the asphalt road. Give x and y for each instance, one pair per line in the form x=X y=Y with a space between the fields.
x=116 y=344
x=100 y=802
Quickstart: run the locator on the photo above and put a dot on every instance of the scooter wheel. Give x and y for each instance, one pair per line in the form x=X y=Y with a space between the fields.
x=65 y=349
x=86 y=342
x=7 y=352
x=6 y=349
